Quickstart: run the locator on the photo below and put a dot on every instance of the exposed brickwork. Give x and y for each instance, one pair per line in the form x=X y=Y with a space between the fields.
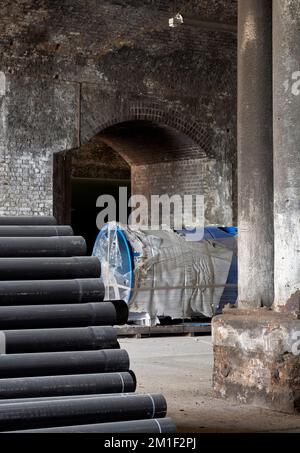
x=26 y=174
x=209 y=178
x=98 y=160
x=117 y=110
x=256 y=359
x=76 y=68
x=145 y=142
x=37 y=119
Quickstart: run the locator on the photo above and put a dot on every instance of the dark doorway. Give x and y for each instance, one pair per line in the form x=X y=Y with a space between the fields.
x=80 y=177
x=85 y=192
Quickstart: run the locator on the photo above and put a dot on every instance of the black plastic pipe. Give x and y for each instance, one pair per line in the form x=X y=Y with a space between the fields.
x=60 y=363
x=156 y=425
x=72 y=315
x=49 y=268
x=26 y=220
x=52 y=340
x=31 y=292
x=59 y=398
x=46 y=246
x=35 y=231
x=81 y=384
x=75 y=411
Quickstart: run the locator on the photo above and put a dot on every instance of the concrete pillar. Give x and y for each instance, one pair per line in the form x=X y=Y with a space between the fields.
x=255 y=145
x=257 y=352
x=286 y=72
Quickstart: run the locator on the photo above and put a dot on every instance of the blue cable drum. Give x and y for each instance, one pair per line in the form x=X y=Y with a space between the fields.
x=123 y=264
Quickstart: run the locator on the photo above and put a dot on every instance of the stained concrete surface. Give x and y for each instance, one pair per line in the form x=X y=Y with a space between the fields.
x=181 y=369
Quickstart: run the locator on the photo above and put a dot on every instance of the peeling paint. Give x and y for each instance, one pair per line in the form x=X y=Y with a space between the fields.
x=249 y=33
x=259 y=351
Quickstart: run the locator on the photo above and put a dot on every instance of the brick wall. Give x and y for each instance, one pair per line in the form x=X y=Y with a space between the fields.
x=72 y=69
x=98 y=160
x=206 y=177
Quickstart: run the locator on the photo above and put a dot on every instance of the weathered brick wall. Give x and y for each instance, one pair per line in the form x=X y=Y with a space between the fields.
x=74 y=68
x=26 y=174
x=37 y=120
x=206 y=177
x=166 y=162
x=98 y=160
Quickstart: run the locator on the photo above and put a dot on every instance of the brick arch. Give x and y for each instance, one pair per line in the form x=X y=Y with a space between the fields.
x=179 y=121
x=96 y=121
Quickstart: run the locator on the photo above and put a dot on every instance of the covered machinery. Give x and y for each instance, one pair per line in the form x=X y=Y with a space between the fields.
x=164 y=275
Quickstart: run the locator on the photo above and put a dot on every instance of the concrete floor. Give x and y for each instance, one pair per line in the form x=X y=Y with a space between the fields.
x=181 y=369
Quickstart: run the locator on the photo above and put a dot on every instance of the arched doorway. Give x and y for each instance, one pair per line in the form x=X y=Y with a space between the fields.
x=149 y=158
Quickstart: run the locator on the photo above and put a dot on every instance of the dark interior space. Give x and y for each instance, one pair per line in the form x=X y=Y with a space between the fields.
x=85 y=192
x=80 y=177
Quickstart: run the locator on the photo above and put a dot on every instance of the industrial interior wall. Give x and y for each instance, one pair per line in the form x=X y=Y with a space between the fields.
x=207 y=177
x=38 y=119
x=69 y=69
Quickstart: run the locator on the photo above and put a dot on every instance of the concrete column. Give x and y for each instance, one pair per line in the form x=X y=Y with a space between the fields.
x=255 y=145
x=286 y=73
x=257 y=352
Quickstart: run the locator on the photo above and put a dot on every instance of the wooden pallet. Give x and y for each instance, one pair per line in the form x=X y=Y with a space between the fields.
x=143 y=331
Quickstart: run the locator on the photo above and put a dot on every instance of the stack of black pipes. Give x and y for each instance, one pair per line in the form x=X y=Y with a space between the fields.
x=61 y=366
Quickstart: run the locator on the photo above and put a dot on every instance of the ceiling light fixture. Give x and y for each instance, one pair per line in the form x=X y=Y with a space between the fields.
x=176 y=21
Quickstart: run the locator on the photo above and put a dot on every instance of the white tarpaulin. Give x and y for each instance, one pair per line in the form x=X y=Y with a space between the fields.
x=170 y=276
